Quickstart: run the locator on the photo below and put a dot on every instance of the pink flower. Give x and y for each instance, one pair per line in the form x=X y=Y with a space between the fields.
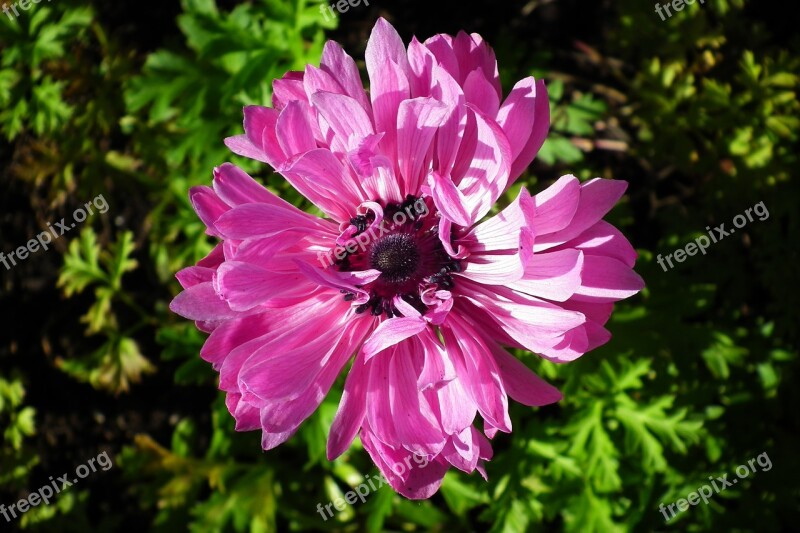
x=405 y=276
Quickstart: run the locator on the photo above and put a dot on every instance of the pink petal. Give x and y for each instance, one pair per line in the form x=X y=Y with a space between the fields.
x=235 y=187
x=604 y=239
x=272 y=374
x=421 y=62
x=294 y=130
x=345 y=116
x=384 y=45
x=261 y=220
x=245 y=285
x=341 y=66
x=480 y=93
x=208 y=206
x=417 y=123
x=191 y=276
x=477 y=372
x=525 y=119
x=534 y=323
x=326 y=180
x=451 y=132
x=486 y=175
x=501 y=232
x=288 y=88
x=388 y=91
x=457 y=408
x=416 y=425
x=597 y=198
x=391 y=332
x=351 y=412
x=448 y=199
x=521 y=383
x=472 y=53
x=555 y=275
x=379 y=414
x=247 y=417
x=200 y=302
x=606 y=279
x=437 y=368
x=490 y=269
x=232 y=334
x=418 y=482
x=556 y=205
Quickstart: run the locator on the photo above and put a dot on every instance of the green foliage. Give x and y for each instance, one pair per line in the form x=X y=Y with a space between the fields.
x=118 y=362
x=17 y=422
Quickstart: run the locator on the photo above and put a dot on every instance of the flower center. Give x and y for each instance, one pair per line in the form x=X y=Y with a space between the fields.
x=406 y=249
x=397 y=256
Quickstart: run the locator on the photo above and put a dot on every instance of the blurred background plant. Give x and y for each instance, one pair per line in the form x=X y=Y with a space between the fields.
x=132 y=100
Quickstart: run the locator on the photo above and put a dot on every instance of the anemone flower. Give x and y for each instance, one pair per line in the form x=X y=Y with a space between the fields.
x=407 y=278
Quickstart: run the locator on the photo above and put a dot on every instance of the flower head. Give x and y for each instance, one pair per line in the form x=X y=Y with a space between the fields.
x=404 y=276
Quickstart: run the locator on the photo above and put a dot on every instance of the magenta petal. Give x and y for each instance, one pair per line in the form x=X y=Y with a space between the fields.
x=390 y=332
x=340 y=65
x=492 y=269
x=345 y=116
x=379 y=414
x=287 y=89
x=351 y=412
x=191 y=276
x=421 y=62
x=525 y=119
x=554 y=275
x=457 y=407
x=502 y=231
x=556 y=206
x=477 y=371
x=232 y=334
x=208 y=206
x=480 y=93
x=486 y=175
x=241 y=145
x=200 y=302
x=521 y=383
x=245 y=285
x=261 y=220
x=448 y=199
x=294 y=131
x=247 y=417
x=437 y=368
x=597 y=197
x=259 y=127
x=607 y=279
x=326 y=180
x=271 y=375
x=411 y=475
x=417 y=427
x=280 y=416
x=604 y=239
x=235 y=187
x=417 y=122
x=384 y=45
